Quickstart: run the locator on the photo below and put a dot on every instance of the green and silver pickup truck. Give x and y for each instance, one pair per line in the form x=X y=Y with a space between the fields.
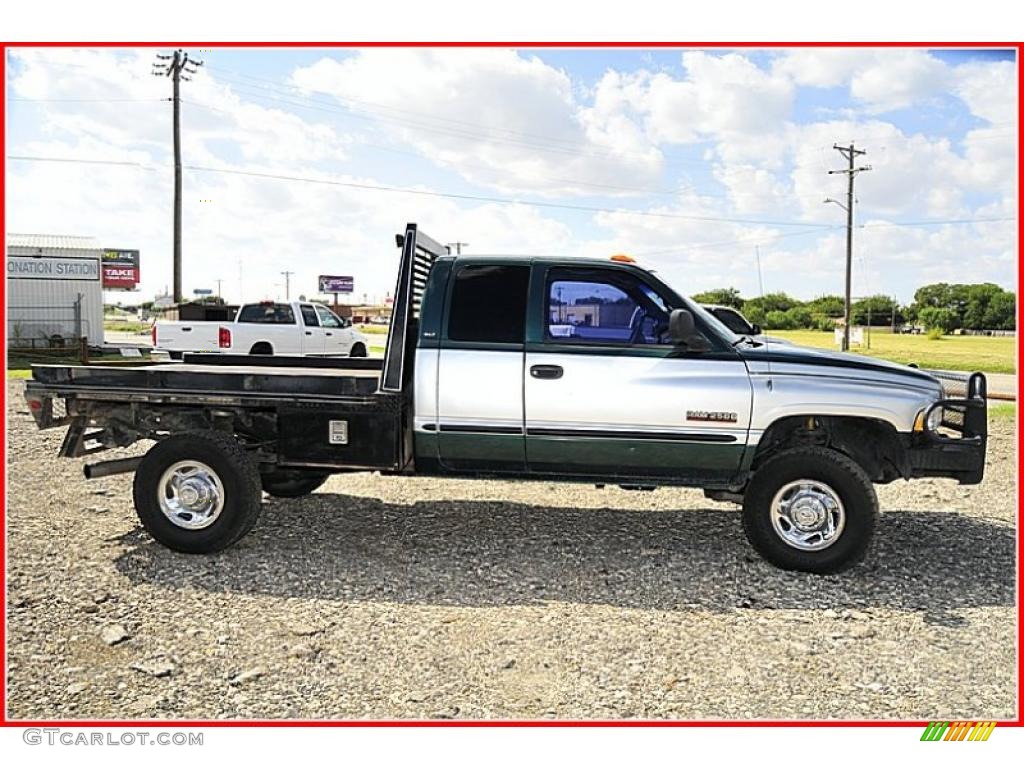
x=554 y=369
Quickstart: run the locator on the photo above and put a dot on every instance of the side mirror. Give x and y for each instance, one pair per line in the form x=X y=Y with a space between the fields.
x=756 y=330
x=683 y=332
x=680 y=325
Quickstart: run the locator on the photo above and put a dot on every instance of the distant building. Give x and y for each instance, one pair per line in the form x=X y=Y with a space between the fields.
x=362 y=313
x=54 y=290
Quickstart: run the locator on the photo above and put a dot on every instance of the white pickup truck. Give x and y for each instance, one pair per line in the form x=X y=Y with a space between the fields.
x=265 y=328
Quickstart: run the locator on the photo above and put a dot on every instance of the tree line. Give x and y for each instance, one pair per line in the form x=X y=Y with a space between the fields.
x=942 y=306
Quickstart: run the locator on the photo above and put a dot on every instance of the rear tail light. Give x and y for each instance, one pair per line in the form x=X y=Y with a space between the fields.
x=224 y=338
x=154 y=334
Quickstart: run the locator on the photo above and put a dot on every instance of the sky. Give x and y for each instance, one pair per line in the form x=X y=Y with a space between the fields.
x=695 y=162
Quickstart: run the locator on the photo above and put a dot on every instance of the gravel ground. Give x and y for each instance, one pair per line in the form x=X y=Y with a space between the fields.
x=417 y=598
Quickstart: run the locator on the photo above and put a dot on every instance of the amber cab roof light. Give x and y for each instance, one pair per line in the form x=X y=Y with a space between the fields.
x=623 y=258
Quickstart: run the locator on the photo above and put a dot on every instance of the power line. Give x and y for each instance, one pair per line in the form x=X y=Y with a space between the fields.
x=937 y=222
x=506 y=201
x=291 y=94
x=738 y=241
x=819 y=227
x=89 y=101
x=465 y=164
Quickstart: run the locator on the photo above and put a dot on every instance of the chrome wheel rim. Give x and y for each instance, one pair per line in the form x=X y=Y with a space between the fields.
x=808 y=515
x=191 y=495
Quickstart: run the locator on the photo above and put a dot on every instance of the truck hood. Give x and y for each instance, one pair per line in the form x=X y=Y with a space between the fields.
x=796 y=360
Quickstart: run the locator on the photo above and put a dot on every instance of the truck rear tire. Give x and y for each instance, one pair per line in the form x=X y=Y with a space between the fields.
x=810 y=509
x=292 y=483
x=358 y=350
x=198 y=492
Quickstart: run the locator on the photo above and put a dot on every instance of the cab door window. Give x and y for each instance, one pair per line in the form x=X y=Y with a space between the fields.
x=611 y=308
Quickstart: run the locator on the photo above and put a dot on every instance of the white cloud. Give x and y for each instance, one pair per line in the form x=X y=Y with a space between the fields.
x=499 y=118
x=824 y=67
x=984 y=86
x=719 y=95
x=880 y=79
x=899 y=79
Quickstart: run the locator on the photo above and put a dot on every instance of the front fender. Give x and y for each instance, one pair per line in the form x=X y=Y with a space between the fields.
x=779 y=396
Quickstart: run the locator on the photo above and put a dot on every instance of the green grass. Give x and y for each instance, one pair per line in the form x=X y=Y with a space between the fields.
x=126 y=326
x=992 y=354
x=1001 y=411
x=373 y=329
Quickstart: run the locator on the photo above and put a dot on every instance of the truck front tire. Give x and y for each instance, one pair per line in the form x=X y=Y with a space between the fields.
x=810 y=509
x=292 y=483
x=197 y=492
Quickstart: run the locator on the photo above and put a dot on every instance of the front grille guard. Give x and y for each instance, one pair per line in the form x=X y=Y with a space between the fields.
x=966 y=417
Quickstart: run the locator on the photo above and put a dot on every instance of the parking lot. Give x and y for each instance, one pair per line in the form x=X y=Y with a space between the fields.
x=419 y=598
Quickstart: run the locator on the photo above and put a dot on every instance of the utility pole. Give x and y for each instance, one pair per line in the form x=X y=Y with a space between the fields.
x=457 y=246
x=178 y=62
x=850 y=153
x=287 y=285
x=218 y=281
x=869 y=322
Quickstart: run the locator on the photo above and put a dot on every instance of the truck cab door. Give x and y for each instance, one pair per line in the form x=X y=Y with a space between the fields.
x=312 y=340
x=337 y=339
x=480 y=369
x=606 y=392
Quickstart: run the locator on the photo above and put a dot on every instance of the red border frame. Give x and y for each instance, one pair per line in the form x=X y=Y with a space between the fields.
x=5 y=722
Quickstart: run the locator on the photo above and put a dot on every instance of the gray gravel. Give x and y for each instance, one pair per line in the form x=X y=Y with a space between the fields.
x=416 y=598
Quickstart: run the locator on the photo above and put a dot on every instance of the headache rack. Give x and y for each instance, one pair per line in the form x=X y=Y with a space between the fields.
x=419 y=252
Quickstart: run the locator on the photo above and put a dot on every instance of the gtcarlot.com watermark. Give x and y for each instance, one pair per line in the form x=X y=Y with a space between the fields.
x=54 y=737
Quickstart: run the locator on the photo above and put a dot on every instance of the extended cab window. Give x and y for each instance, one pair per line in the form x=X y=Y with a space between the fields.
x=489 y=304
x=609 y=308
x=309 y=316
x=269 y=314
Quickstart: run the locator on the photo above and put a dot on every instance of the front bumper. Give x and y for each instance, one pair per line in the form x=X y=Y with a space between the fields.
x=957 y=449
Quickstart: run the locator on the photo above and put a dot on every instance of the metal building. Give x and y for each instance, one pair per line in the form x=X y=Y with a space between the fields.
x=54 y=290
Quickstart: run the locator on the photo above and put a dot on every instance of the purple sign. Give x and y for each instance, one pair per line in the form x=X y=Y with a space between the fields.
x=336 y=284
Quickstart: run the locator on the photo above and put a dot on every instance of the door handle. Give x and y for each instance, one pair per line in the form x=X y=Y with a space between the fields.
x=309 y=333
x=329 y=333
x=546 y=371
